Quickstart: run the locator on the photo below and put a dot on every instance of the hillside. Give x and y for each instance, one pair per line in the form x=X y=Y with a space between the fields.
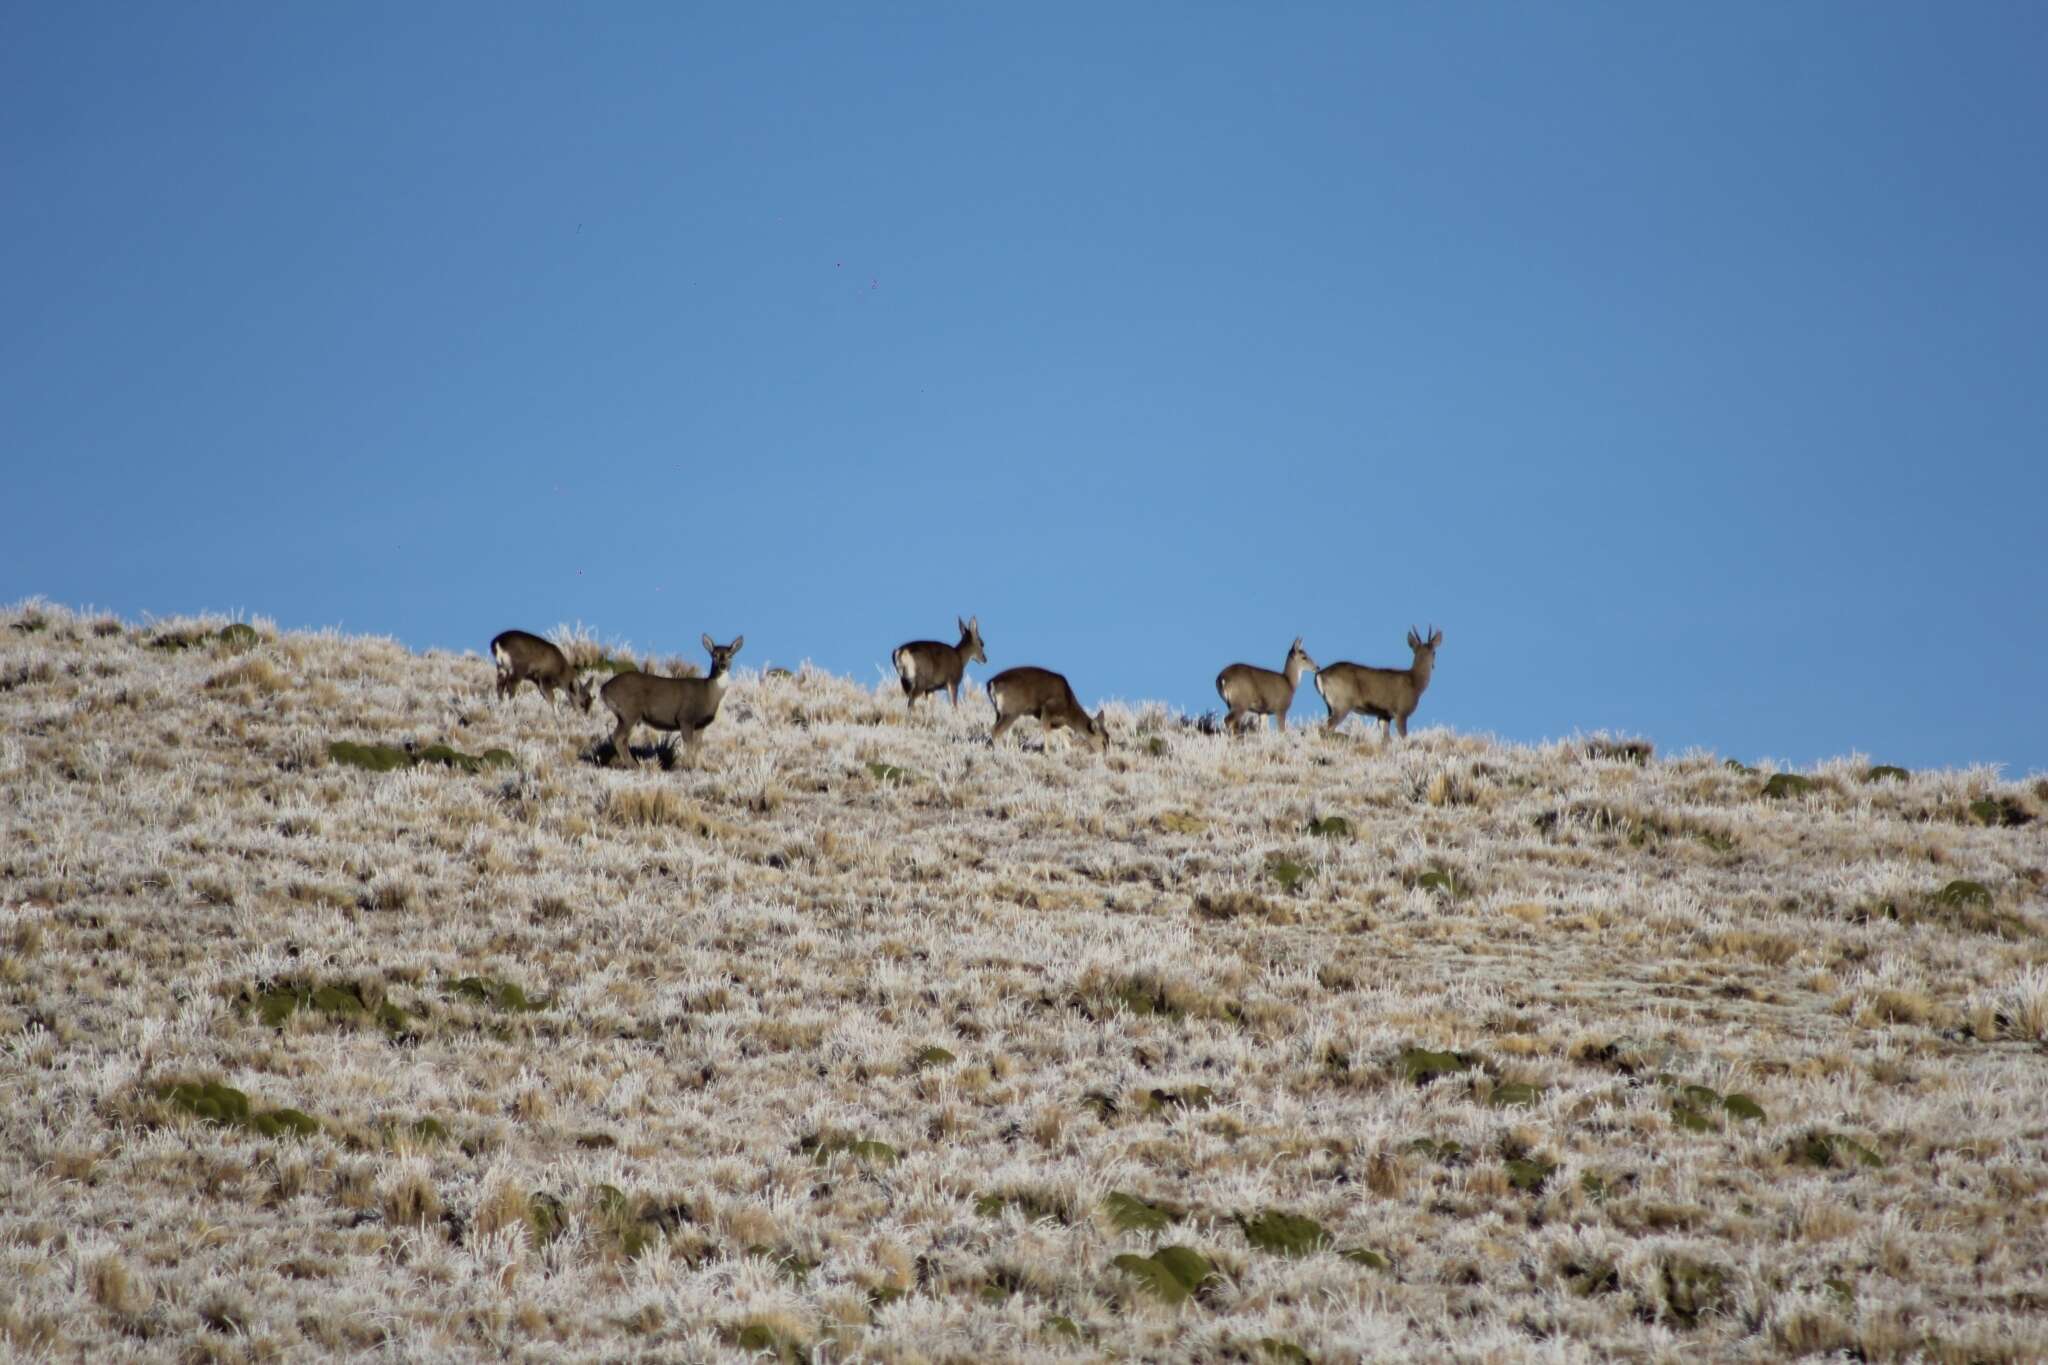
x=854 y=1036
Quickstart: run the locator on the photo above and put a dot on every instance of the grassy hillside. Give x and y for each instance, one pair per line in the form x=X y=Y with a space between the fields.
x=854 y=1036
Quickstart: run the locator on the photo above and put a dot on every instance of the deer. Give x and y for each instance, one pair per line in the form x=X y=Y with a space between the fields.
x=1045 y=696
x=927 y=665
x=1388 y=695
x=1252 y=692
x=521 y=657
x=687 y=705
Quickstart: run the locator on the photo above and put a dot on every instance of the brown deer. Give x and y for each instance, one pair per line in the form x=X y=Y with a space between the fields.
x=1251 y=692
x=928 y=665
x=1045 y=696
x=521 y=657
x=683 y=704
x=1388 y=695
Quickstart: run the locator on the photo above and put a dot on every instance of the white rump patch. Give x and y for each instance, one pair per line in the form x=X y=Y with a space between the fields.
x=504 y=659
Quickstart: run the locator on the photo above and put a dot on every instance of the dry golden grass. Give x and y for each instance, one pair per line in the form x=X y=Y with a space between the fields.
x=839 y=1037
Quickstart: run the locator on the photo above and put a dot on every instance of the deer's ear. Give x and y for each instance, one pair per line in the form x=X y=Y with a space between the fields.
x=706 y=638
x=974 y=624
x=737 y=641
x=1436 y=638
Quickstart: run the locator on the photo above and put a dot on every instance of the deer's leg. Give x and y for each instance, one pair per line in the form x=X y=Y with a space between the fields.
x=1002 y=723
x=953 y=689
x=622 y=749
x=1281 y=717
x=1404 y=727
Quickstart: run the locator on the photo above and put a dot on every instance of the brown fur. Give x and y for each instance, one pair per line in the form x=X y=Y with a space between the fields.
x=1045 y=696
x=1388 y=695
x=523 y=657
x=1251 y=692
x=686 y=705
x=929 y=665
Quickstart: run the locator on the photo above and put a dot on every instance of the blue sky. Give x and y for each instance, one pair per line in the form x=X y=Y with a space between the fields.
x=1685 y=365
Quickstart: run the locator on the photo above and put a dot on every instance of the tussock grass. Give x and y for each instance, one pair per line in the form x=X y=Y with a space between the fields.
x=1261 y=1048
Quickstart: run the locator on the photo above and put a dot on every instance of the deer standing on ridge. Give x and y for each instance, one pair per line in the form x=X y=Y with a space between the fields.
x=683 y=704
x=521 y=657
x=1251 y=692
x=1388 y=695
x=1045 y=696
x=928 y=665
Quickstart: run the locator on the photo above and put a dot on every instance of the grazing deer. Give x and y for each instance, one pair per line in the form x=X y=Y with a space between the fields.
x=1043 y=694
x=685 y=704
x=1251 y=692
x=1389 y=695
x=928 y=665
x=521 y=657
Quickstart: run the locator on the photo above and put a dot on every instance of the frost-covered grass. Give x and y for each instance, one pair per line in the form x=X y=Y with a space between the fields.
x=837 y=1037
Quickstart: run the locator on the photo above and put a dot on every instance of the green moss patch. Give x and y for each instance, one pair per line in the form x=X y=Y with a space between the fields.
x=1287 y=872
x=1182 y=1097
x=1743 y=1107
x=1529 y=1174
x=1172 y=1275
x=1330 y=827
x=1692 y=1119
x=1784 y=785
x=930 y=1055
x=1144 y=997
x=385 y=758
x=1514 y=1095
x=273 y=1004
x=759 y=1339
x=230 y=1108
x=1035 y=1208
x=376 y=758
x=1833 y=1151
x=1422 y=1066
x=2000 y=812
x=1886 y=772
x=1960 y=893
x=1700 y=1108
x=1439 y=882
x=1129 y=1213
x=499 y=995
x=1284 y=1234
x=822 y=1147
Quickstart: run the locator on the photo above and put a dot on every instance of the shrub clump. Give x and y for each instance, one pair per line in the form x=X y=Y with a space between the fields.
x=228 y=1107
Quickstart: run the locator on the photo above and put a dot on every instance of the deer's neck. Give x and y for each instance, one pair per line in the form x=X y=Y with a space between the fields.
x=1420 y=670
x=1293 y=669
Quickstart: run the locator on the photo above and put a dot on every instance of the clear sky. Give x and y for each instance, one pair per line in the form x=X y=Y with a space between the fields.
x=1687 y=365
